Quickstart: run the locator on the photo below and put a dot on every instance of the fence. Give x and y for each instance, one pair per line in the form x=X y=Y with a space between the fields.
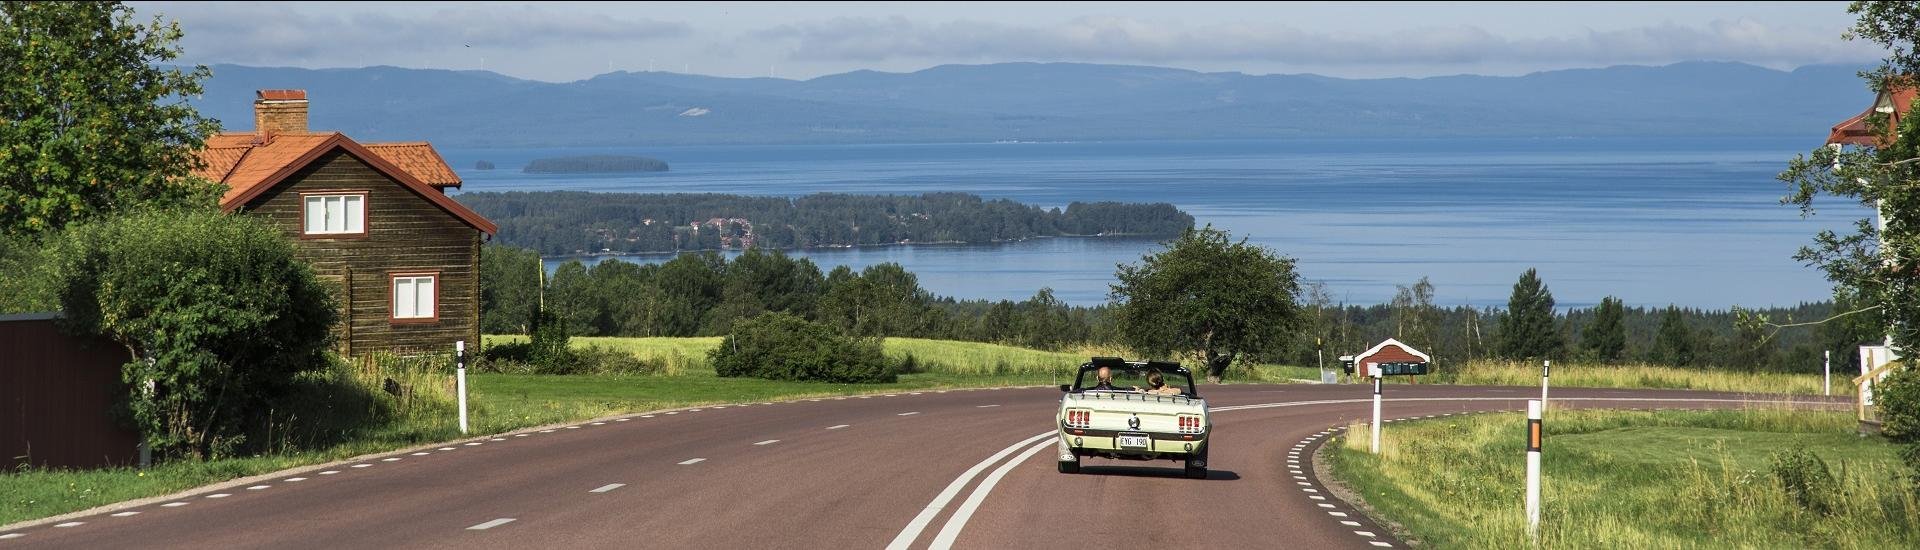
x=57 y=396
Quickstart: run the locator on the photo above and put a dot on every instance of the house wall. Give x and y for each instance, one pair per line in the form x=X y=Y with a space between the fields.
x=406 y=234
x=57 y=397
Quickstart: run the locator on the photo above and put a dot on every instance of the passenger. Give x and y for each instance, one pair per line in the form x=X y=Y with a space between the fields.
x=1105 y=376
x=1157 y=385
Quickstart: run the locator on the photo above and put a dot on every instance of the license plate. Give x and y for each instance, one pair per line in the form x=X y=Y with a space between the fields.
x=1134 y=440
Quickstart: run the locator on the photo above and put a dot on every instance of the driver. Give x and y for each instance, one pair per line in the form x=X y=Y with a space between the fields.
x=1105 y=375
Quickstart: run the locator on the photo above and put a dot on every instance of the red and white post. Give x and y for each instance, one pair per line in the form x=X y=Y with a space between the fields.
x=1546 y=368
x=1376 y=414
x=460 y=379
x=1533 y=468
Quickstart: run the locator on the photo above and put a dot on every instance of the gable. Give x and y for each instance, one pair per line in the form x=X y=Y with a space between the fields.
x=251 y=180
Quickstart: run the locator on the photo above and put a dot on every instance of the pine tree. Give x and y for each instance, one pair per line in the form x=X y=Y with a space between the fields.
x=1527 y=331
x=1606 y=337
x=1673 y=344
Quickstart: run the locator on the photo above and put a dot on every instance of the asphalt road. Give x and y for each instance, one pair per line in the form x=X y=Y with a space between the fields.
x=914 y=470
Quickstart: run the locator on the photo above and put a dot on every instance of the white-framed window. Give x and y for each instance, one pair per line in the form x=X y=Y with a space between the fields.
x=415 y=296
x=335 y=214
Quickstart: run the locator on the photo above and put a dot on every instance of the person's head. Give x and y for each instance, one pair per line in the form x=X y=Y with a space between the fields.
x=1154 y=379
x=1104 y=374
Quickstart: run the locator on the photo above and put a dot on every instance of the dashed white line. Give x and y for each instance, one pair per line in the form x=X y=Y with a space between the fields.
x=444 y=449
x=1350 y=523
x=836 y=427
x=608 y=487
x=621 y=419
x=985 y=406
x=259 y=487
x=768 y=442
x=1365 y=533
x=361 y=466
x=173 y=505
x=504 y=439
x=422 y=453
x=125 y=514
x=521 y=435
x=1310 y=490
x=1337 y=514
x=1379 y=544
x=12 y=536
x=292 y=479
x=691 y=461
x=671 y=413
x=477 y=443
x=1316 y=497
x=641 y=416
x=573 y=427
x=1323 y=505
x=329 y=472
x=491 y=524
x=219 y=495
x=1303 y=484
x=908 y=413
x=71 y=524
x=390 y=459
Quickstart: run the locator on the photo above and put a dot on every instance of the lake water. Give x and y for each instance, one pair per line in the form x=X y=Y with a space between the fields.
x=1694 y=222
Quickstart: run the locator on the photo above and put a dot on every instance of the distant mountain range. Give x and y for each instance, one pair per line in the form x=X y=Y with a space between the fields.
x=1045 y=102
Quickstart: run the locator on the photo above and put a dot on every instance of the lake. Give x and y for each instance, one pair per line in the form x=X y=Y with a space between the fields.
x=1694 y=222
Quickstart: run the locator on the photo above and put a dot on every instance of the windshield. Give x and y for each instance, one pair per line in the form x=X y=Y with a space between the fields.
x=1134 y=379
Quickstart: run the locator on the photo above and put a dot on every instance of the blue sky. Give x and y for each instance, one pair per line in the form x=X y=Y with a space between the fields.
x=564 y=41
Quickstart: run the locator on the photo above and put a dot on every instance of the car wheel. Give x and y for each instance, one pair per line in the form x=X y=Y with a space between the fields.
x=1196 y=473
x=1069 y=467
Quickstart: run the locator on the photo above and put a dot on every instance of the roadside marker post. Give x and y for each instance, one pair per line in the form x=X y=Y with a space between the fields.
x=1545 y=368
x=460 y=379
x=1376 y=415
x=1533 y=468
x=1826 y=371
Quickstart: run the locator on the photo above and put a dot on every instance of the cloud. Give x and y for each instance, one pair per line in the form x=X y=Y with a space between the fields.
x=1124 y=39
x=271 y=33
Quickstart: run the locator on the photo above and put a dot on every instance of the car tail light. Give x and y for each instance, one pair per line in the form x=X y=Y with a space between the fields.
x=1079 y=418
x=1189 y=424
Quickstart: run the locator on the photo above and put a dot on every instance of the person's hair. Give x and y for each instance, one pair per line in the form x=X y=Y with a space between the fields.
x=1154 y=379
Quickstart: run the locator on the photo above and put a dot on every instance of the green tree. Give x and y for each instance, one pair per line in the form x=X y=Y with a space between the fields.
x=215 y=313
x=1209 y=298
x=1674 y=342
x=1878 y=266
x=779 y=346
x=509 y=288
x=91 y=120
x=1414 y=315
x=1527 y=331
x=1606 y=337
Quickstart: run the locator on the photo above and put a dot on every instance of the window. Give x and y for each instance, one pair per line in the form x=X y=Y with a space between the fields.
x=336 y=214
x=414 y=297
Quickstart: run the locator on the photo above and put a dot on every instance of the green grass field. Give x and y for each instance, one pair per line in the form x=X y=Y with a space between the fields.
x=1489 y=373
x=1624 y=479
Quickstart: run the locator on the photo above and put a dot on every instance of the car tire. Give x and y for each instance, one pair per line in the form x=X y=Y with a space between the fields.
x=1069 y=467
x=1197 y=472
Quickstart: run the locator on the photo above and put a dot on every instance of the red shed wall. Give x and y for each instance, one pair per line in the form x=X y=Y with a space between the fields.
x=56 y=396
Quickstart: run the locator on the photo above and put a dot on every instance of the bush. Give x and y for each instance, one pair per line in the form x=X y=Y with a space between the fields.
x=217 y=313
x=1897 y=399
x=779 y=346
x=1806 y=480
x=519 y=358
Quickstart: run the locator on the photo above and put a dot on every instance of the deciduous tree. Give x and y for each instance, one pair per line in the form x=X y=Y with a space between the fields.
x=1209 y=298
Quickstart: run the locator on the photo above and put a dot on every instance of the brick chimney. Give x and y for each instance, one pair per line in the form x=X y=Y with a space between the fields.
x=280 y=112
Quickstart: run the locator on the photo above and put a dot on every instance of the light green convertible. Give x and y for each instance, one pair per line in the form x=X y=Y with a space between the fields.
x=1113 y=409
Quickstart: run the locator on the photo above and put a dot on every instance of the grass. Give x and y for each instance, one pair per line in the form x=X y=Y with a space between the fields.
x=1623 y=479
x=1488 y=373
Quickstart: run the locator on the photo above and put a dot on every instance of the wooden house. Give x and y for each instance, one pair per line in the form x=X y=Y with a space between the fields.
x=373 y=218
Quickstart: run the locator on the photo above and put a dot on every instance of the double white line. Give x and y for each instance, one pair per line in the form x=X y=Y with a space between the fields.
x=951 y=530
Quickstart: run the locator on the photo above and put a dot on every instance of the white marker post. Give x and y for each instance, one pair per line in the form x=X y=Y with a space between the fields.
x=1376 y=414
x=460 y=379
x=1545 y=368
x=1533 y=469
x=1826 y=371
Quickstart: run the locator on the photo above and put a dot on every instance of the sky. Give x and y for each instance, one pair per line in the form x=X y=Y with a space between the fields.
x=566 y=41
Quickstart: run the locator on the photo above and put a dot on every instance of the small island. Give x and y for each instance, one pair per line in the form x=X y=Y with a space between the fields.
x=483 y=165
x=595 y=164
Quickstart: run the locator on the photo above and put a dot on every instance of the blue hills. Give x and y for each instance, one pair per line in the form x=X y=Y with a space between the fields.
x=1046 y=102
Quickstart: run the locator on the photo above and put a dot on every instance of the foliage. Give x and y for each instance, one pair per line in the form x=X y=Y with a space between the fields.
x=548 y=345
x=1527 y=330
x=30 y=283
x=1673 y=345
x=883 y=300
x=215 y=311
x=1605 y=338
x=1414 y=315
x=1806 y=479
x=1208 y=298
x=568 y=222
x=91 y=120
x=509 y=288
x=779 y=346
x=1896 y=399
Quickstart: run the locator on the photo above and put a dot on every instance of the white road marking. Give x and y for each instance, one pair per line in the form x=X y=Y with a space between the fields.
x=11 y=536
x=491 y=524
x=1365 y=533
x=444 y=449
x=259 y=487
x=950 y=532
x=219 y=495
x=1350 y=523
x=173 y=505
x=1301 y=478
x=502 y=438
x=908 y=413
x=568 y=427
x=1303 y=484
x=125 y=514
x=986 y=406
x=608 y=487
x=1379 y=544
x=1336 y=514
x=641 y=416
x=670 y=413
x=292 y=479
x=836 y=427
x=621 y=419
x=1309 y=490
x=919 y=523
x=71 y=524
x=768 y=442
x=473 y=443
x=390 y=459
x=329 y=472
x=521 y=435
x=422 y=453
x=1324 y=505
x=362 y=466
x=1316 y=497
x=691 y=461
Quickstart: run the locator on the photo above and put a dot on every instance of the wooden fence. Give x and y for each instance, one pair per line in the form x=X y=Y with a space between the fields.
x=57 y=396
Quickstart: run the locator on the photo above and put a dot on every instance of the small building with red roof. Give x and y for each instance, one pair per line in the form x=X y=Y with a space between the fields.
x=374 y=218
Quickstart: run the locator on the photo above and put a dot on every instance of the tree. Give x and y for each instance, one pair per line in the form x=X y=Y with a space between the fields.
x=216 y=314
x=1879 y=267
x=779 y=346
x=91 y=120
x=1673 y=344
x=1527 y=331
x=1606 y=337
x=509 y=288
x=1414 y=314
x=1209 y=298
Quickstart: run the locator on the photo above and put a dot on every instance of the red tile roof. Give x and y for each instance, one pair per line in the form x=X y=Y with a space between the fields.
x=1894 y=104
x=251 y=164
x=282 y=95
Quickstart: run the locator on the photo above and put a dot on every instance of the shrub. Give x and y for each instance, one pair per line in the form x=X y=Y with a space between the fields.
x=1806 y=480
x=779 y=346
x=218 y=315
x=1897 y=399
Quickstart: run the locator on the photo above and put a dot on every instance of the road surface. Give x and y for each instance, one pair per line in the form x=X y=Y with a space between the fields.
x=960 y=469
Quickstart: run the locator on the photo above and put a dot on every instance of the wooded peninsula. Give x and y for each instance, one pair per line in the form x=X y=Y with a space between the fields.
x=578 y=222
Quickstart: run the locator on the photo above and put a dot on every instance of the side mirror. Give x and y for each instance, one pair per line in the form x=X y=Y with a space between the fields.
x=1066 y=387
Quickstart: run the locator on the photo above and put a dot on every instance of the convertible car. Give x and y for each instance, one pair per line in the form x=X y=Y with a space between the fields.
x=1122 y=415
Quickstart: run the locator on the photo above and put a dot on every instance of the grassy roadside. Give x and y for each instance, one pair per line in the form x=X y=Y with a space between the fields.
x=1491 y=373
x=1624 y=479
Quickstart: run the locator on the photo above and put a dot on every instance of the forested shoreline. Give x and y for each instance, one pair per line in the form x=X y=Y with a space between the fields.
x=577 y=222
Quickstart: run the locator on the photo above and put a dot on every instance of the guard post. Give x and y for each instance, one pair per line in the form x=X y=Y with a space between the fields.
x=460 y=379
x=1546 y=369
x=1533 y=469
x=1376 y=415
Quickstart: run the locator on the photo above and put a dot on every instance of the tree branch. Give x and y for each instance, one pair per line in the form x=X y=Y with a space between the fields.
x=1788 y=325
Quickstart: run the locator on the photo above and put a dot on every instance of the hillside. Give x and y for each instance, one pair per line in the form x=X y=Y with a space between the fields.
x=1050 y=101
